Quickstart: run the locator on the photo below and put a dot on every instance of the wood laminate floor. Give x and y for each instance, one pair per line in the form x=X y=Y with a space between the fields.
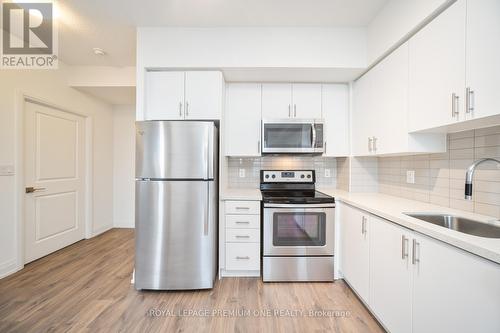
x=86 y=288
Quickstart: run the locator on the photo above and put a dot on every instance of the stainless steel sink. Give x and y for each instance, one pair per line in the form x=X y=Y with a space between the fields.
x=460 y=224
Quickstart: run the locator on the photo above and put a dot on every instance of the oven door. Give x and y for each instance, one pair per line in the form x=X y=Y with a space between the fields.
x=288 y=136
x=299 y=230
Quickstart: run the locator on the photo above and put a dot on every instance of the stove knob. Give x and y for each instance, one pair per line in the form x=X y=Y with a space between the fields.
x=308 y=176
x=302 y=176
x=273 y=176
x=267 y=176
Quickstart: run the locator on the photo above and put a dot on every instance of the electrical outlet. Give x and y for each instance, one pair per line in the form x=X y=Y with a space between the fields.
x=327 y=173
x=410 y=176
x=242 y=173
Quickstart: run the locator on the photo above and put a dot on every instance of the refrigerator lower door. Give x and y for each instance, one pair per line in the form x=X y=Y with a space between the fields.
x=175 y=235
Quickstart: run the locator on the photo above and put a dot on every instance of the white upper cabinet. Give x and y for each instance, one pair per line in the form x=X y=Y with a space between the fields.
x=390 y=274
x=243 y=119
x=483 y=54
x=287 y=100
x=379 y=119
x=203 y=95
x=335 y=113
x=437 y=70
x=164 y=93
x=277 y=100
x=174 y=95
x=306 y=100
x=363 y=116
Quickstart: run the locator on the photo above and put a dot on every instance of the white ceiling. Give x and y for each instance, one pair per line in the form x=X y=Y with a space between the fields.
x=110 y=24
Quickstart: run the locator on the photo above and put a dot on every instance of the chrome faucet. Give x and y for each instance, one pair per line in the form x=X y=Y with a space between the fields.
x=470 y=174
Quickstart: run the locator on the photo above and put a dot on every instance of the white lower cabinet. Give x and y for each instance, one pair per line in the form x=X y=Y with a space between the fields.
x=355 y=249
x=413 y=283
x=242 y=238
x=453 y=291
x=243 y=256
x=390 y=274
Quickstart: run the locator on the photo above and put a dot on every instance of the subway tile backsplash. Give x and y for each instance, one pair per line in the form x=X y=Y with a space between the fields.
x=253 y=165
x=439 y=178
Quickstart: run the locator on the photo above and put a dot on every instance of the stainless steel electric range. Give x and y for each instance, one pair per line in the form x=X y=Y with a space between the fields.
x=298 y=227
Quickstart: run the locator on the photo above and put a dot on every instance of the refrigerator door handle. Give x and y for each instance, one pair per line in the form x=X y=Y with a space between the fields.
x=209 y=153
x=207 y=211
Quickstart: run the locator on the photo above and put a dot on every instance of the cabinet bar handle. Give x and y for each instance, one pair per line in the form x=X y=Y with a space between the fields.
x=295 y=110
x=187 y=108
x=244 y=208
x=363 y=225
x=454 y=105
x=242 y=222
x=242 y=236
x=258 y=146
x=404 y=247
x=289 y=111
x=375 y=144
x=180 y=109
x=242 y=258
x=469 y=100
x=414 y=258
x=370 y=144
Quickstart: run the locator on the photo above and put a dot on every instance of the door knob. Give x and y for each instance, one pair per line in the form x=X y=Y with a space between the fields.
x=34 y=189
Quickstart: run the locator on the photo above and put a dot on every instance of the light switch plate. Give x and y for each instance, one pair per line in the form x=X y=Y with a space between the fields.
x=242 y=173
x=410 y=176
x=327 y=173
x=7 y=170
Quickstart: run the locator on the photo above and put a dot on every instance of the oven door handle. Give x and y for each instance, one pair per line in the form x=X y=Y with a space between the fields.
x=299 y=206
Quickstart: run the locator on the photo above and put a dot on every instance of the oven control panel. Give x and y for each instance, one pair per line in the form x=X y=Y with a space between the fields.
x=287 y=176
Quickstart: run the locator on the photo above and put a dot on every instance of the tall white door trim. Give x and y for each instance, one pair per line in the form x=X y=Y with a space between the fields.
x=21 y=99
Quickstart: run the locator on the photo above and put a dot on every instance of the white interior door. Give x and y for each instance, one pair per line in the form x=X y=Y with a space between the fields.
x=55 y=169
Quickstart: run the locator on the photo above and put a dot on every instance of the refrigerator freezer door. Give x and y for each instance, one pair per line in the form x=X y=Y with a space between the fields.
x=176 y=149
x=175 y=235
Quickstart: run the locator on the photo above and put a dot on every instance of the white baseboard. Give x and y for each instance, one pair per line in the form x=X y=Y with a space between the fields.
x=9 y=267
x=225 y=273
x=101 y=230
x=124 y=224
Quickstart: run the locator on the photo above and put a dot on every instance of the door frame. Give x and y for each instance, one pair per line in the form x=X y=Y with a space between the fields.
x=19 y=177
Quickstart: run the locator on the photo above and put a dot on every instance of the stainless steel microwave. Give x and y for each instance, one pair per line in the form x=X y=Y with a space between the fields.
x=292 y=136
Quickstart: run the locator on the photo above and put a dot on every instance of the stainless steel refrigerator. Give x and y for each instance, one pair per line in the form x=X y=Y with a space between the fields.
x=176 y=205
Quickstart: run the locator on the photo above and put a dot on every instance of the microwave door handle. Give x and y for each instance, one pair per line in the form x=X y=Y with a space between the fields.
x=313 y=143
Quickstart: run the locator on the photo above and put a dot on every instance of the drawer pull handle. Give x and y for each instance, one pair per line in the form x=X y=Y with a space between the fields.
x=242 y=222
x=242 y=236
x=243 y=258
x=243 y=208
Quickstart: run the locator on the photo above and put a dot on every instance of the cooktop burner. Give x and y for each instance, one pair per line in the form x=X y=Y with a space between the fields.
x=291 y=187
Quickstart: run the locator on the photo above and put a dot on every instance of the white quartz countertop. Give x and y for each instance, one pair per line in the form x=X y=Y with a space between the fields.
x=251 y=194
x=392 y=208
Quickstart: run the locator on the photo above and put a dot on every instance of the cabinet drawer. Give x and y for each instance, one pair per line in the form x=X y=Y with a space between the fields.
x=243 y=235
x=243 y=207
x=243 y=221
x=243 y=256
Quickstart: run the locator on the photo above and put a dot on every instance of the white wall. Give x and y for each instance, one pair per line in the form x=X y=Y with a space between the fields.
x=123 y=166
x=248 y=48
x=396 y=19
x=49 y=86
